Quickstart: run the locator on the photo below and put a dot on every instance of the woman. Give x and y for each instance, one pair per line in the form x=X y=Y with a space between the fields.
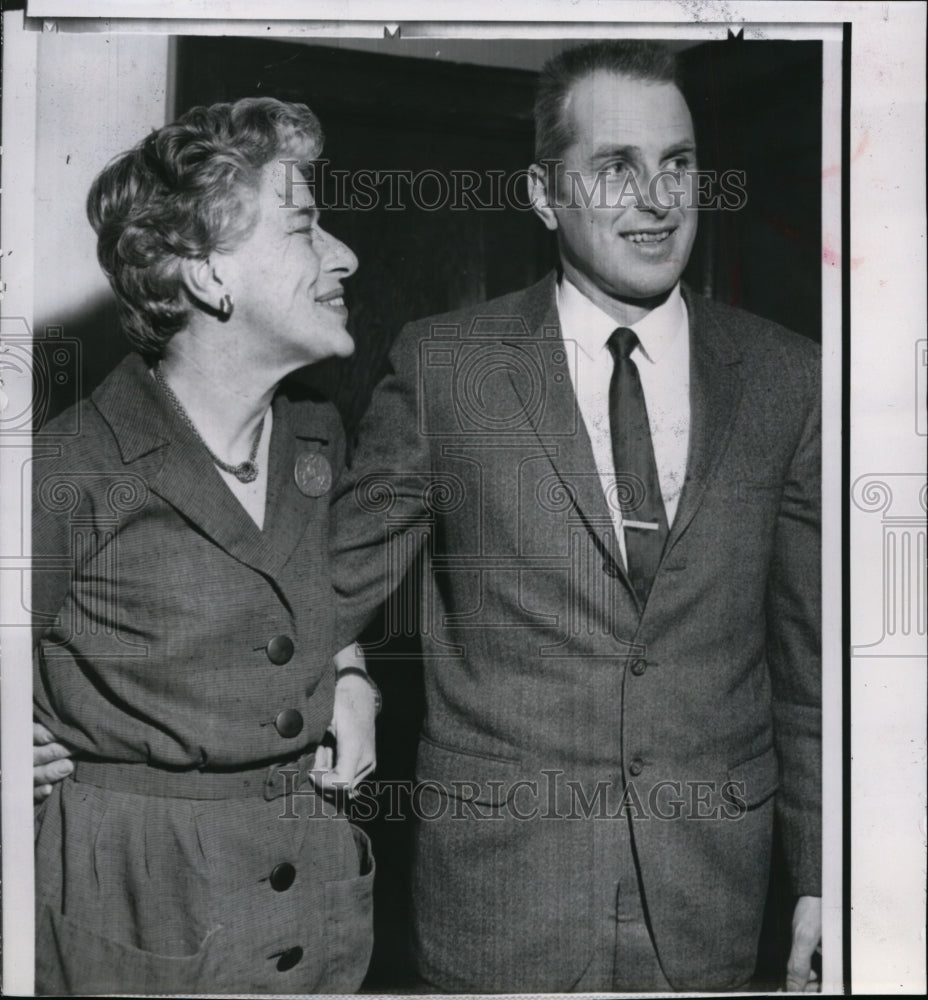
x=185 y=616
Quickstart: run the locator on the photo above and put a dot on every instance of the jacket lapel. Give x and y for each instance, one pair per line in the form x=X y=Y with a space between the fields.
x=289 y=512
x=178 y=469
x=558 y=423
x=715 y=392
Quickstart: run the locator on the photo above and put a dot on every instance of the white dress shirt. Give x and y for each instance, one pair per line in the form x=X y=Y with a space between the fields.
x=663 y=361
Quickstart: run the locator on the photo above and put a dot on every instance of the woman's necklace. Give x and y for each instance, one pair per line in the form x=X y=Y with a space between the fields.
x=244 y=472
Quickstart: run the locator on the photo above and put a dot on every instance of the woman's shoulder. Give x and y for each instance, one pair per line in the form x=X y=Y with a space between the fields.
x=78 y=459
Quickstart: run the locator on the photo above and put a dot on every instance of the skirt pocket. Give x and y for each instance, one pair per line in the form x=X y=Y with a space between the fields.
x=73 y=959
x=349 y=931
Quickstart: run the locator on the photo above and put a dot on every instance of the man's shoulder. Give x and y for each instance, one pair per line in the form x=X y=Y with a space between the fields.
x=752 y=331
x=525 y=305
x=769 y=349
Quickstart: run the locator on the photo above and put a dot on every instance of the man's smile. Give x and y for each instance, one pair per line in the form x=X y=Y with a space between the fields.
x=647 y=235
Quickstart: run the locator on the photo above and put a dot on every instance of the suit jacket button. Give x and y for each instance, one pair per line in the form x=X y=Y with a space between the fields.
x=282 y=877
x=636 y=767
x=289 y=958
x=639 y=667
x=279 y=649
x=289 y=723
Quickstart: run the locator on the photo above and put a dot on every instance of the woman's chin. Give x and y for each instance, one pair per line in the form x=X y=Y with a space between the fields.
x=345 y=347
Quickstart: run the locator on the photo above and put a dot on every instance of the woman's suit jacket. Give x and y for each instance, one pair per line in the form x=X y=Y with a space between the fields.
x=540 y=668
x=172 y=635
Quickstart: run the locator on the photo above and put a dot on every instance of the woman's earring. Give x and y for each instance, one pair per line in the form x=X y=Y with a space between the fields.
x=225 y=307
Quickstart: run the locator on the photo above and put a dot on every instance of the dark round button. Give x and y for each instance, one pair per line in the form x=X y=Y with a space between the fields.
x=279 y=649
x=611 y=569
x=282 y=877
x=636 y=766
x=289 y=958
x=289 y=723
x=639 y=667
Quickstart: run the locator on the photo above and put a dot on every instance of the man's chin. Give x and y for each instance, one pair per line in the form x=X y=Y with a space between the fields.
x=646 y=294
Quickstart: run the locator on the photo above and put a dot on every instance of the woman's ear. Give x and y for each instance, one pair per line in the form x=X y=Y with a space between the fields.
x=539 y=196
x=204 y=282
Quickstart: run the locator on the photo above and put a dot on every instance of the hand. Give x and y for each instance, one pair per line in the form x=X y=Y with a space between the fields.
x=807 y=937
x=49 y=762
x=353 y=727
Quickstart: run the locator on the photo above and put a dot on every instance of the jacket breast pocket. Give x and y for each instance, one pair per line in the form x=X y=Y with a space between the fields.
x=757 y=491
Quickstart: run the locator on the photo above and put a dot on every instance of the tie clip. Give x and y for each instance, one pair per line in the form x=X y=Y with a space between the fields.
x=644 y=525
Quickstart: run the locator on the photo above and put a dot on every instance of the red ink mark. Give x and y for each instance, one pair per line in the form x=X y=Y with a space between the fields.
x=833 y=259
x=834 y=171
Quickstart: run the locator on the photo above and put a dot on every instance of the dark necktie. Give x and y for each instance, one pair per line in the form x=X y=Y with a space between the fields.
x=639 y=488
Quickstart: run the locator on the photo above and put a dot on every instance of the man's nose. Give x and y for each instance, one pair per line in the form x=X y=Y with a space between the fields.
x=654 y=197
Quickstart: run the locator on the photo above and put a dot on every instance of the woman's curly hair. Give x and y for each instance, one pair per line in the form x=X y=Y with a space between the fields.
x=184 y=192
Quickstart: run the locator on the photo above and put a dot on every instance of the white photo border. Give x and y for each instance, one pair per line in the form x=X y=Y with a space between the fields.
x=878 y=142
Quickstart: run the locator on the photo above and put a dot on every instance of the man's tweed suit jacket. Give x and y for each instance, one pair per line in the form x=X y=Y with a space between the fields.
x=540 y=667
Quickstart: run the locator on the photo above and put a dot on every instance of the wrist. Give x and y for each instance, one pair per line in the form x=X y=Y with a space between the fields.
x=365 y=677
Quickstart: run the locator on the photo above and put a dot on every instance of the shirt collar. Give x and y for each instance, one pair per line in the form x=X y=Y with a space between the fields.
x=583 y=322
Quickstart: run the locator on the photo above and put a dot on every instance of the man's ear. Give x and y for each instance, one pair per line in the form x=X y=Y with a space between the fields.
x=203 y=279
x=538 y=195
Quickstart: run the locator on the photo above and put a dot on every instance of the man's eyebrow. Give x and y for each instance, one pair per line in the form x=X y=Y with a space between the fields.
x=607 y=152
x=684 y=146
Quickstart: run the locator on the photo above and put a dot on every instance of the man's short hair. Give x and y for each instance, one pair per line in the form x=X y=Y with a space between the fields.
x=636 y=59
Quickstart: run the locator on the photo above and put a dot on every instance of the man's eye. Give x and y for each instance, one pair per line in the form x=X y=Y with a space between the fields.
x=679 y=163
x=617 y=169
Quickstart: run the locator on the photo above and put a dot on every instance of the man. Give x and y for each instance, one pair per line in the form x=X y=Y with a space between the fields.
x=620 y=603
x=573 y=648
